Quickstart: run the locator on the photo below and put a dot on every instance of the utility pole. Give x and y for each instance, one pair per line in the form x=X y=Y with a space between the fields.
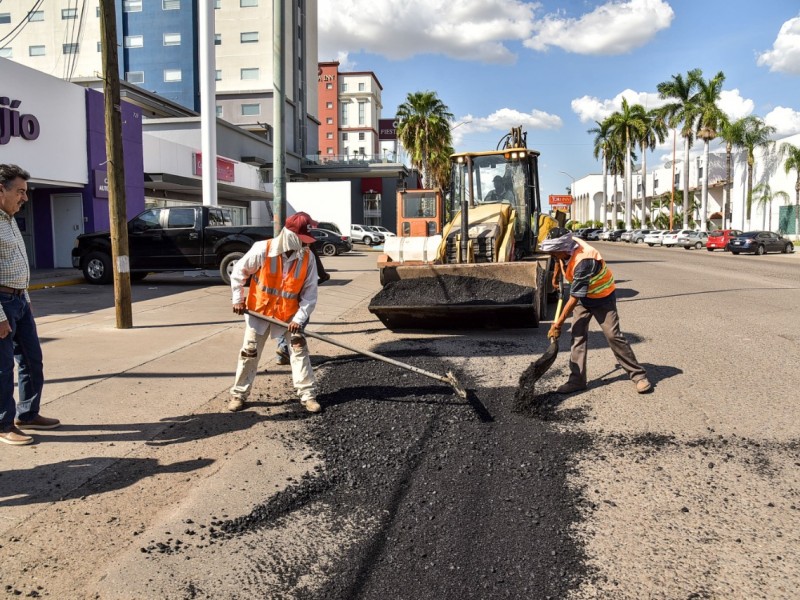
x=278 y=116
x=115 y=167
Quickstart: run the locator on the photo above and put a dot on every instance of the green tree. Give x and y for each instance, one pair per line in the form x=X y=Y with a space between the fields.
x=710 y=119
x=439 y=166
x=602 y=147
x=423 y=128
x=756 y=134
x=681 y=111
x=763 y=197
x=655 y=132
x=732 y=133
x=628 y=125
x=792 y=155
x=616 y=166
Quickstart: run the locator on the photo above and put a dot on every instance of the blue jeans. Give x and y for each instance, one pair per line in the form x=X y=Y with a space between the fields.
x=22 y=345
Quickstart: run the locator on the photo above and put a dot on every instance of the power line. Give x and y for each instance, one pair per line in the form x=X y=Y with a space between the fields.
x=17 y=29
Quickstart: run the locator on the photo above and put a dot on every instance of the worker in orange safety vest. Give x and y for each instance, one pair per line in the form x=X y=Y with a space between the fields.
x=283 y=285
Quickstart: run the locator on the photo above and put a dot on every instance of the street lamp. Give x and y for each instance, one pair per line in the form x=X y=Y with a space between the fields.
x=457 y=125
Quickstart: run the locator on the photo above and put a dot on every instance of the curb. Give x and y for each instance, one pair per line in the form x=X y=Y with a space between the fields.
x=51 y=284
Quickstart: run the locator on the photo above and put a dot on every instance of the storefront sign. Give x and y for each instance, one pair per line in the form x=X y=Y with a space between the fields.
x=100 y=184
x=15 y=124
x=560 y=200
x=387 y=129
x=225 y=168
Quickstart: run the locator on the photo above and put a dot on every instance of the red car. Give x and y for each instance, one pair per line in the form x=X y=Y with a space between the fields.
x=718 y=240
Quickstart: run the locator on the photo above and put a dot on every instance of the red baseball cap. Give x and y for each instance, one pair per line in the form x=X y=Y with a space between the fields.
x=299 y=223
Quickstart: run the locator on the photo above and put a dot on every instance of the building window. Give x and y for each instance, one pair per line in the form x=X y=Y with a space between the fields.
x=361 y=150
x=99 y=46
x=344 y=114
x=133 y=41
x=655 y=183
x=329 y=120
x=217 y=39
x=346 y=150
x=172 y=39
x=69 y=13
x=329 y=105
x=134 y=76
x=248 y=3
x=218 y=75
x=172 y=75
x=170 y=4
x=330 y=150
x=37 y=15
x=97 y=12
x=217 y=4
x=131 y=5
x=328 y=86
x=5 y=53
x=248 y=37
x=329 y=135
x=344 y=86
x=5 y=18
x=361 y=87
x=69 y=48
x=360 y=135
x=35 y=50
x=249 y=73
x=219 y=111
x=344 y=136
x=251 y=110
x=362 y=110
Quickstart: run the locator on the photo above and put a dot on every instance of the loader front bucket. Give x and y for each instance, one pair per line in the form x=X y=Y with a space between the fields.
x=462 y=296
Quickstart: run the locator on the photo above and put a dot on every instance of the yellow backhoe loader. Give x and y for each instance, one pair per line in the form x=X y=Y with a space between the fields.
x=486 y=271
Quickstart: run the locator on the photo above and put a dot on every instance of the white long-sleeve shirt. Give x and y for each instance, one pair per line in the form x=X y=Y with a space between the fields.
x=251 y=263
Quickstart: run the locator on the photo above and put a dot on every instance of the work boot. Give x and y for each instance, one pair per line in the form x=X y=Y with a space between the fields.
x=236 y=404
x=643 y=386
x=570 y=388
x=323 y=278
x=38 y=422
x=283 y=356
x=13 y=436
x=311 y=405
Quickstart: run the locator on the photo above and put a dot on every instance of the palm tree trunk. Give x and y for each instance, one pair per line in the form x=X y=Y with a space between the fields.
x=605 y=189
x=628 y=190
x=644 y=188
x=749 y=198
x=614 y=205
x=686 y=171
x=704 y=195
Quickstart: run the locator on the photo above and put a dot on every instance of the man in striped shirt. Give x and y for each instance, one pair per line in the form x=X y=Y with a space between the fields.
x=18 y=337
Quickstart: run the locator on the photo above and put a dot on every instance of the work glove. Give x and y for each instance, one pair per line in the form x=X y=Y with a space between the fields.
x=555 y=331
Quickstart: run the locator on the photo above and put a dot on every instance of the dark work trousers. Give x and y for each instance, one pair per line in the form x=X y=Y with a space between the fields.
x=606 y=315
x=320 y=268
x=21 y=345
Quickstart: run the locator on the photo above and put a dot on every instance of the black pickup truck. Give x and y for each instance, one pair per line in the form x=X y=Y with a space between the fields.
x=171 y=239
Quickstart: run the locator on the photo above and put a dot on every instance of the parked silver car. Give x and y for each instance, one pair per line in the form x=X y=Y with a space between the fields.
x=637 y=236
x=693 y=239
x=671 y=238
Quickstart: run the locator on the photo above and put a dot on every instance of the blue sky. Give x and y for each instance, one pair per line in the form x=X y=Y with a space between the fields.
x=556 y=67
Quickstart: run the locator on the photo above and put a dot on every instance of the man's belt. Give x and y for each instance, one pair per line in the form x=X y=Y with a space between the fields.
x=12 y=291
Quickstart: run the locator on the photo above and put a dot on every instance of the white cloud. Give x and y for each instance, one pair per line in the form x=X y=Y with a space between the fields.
x=733 y=105
x=616 y=27
x=503 y=120
x=590 y=108
x=785 y=53
x=468 y=29
x=785 y=120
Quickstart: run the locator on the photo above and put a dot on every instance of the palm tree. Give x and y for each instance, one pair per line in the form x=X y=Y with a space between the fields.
x=423 y=128
x=756 y=134
x=732 y=133
x=628 y=124
x=710 y=119
x=681 y=111
x=602 y=146
x=763 y=197
x=655 y=132
x=439 y=165
x=616 y=165
x=792 y=154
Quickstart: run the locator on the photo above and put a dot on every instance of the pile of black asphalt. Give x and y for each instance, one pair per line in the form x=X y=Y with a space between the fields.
x=451 y=290
x=457 y=507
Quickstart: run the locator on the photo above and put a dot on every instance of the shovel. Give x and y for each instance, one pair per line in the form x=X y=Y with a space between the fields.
x=546 y=360
x=449 y=379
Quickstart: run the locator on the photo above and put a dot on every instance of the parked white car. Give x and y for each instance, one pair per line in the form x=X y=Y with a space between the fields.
x=382 y=230
x=654 y=238
x=364 y=235
x=671 y=238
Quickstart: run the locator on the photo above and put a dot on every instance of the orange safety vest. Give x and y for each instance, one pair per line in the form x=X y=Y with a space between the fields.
x=600 y=285
x=273 y=295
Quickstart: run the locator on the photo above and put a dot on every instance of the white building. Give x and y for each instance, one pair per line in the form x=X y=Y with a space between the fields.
x=588 y=191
